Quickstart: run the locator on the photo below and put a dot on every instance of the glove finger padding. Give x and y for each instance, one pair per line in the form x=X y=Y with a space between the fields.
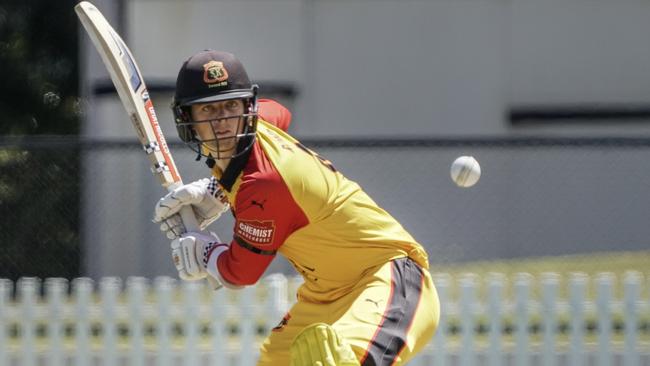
x=206 y=198
x=188 y=194
x=184 y=254
x=177 y=258
x=190 y=254
x=173 y=227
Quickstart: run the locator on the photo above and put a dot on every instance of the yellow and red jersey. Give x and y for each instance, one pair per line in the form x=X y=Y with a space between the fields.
x=285 y=198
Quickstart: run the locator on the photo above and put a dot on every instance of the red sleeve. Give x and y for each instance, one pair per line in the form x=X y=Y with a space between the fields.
x=274 y=113
x=266 y=214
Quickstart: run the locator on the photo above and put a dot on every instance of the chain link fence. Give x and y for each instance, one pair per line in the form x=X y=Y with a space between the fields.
x=39 y=209
x=73 y=207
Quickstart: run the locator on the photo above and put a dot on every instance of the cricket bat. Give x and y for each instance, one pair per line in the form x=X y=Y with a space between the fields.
x=133 y=93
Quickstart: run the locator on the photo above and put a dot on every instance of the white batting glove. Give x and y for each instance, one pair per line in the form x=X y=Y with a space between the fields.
x=207 y=199
x=191 y=253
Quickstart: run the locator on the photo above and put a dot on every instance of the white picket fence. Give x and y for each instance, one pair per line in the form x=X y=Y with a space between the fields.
x=493 y=321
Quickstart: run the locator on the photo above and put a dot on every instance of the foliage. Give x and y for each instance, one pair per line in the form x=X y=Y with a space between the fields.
x=38 y=54
x=39 y=188
x=39 y=204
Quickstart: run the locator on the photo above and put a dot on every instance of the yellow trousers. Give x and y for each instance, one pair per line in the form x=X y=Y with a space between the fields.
x=387 y=318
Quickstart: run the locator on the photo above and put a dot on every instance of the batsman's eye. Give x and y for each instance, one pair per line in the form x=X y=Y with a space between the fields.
x=201 y=113
x=232 y=105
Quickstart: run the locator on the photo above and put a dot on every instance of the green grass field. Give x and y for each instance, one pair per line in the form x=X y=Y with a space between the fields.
x=591 y=264
x=617 y=263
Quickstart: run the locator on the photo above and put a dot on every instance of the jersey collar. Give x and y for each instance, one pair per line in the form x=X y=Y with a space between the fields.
x=234 y=168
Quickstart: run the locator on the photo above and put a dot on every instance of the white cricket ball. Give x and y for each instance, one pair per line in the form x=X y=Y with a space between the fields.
x=465 y=171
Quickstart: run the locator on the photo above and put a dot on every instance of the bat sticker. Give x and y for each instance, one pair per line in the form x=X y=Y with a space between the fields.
x=134 y=77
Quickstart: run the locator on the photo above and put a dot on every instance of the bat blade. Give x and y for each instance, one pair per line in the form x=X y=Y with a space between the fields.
x=131 y=88
x=132 y=91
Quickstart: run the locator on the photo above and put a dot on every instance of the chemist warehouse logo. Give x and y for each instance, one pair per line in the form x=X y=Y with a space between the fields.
x=256 y=232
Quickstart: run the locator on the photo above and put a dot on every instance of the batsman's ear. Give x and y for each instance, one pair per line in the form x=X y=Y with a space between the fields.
x=182 y=120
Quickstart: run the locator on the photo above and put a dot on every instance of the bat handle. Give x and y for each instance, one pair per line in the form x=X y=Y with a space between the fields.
x=191 y=224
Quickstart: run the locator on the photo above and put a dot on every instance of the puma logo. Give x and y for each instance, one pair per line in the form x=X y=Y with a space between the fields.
x=374 y=302
x=258 y=204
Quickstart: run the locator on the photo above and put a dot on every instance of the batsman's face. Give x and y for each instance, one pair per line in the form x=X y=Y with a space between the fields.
x=217 y=124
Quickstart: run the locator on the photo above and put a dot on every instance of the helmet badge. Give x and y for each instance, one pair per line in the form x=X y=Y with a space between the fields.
x=215 y=72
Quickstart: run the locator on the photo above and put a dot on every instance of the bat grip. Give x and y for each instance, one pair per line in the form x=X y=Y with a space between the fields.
x=191 y=224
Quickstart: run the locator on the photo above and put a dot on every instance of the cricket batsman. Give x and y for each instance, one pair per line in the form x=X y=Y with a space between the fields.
x=367 y=296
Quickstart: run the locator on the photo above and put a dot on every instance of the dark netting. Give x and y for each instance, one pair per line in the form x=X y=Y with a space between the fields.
x=39 y=207
x=73 y=207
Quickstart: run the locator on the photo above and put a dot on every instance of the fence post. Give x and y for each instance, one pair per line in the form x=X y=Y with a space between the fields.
x=27 y=287
x=247 y=326
x=218 y=323
x=495 y=314
x=5 y=294
x=137 y=287
x=522 y=301
x=55 y=290
x=83 y=288
x=632 y=286
x=442 y=282
x=277 y=302
x=577 y=289
x=191 y=319
x=109 y=288
x=163 y=287
x=549 y=317
x=467 y=319
x=295 y=282
x=604 y=282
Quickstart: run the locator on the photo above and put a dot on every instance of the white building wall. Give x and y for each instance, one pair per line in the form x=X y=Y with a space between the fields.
x=410 y=68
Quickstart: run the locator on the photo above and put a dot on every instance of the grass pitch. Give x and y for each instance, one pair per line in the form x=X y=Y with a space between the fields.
x=591 y=264
x=618 y=264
